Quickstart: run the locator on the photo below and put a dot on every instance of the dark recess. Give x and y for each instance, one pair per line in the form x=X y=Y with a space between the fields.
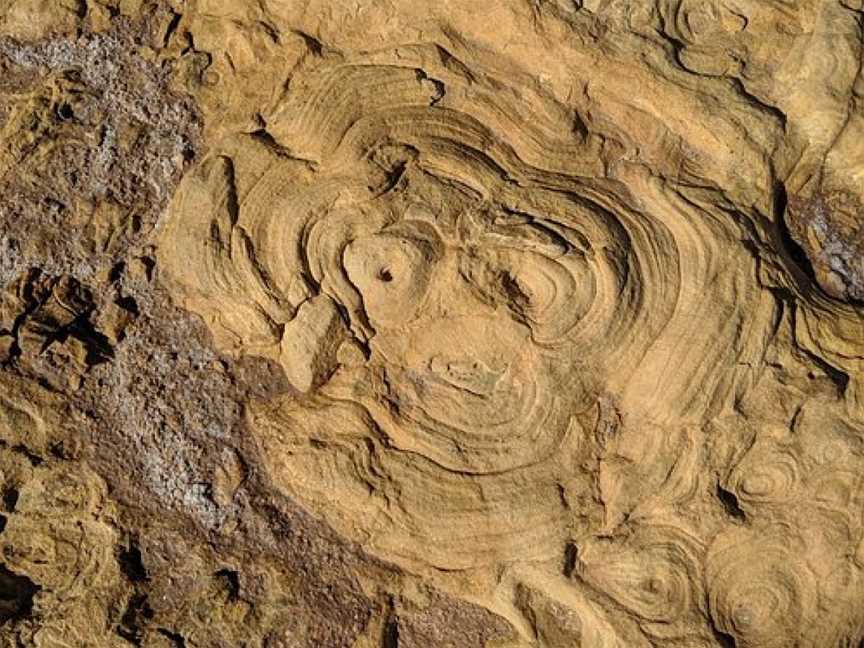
x=16 y=596
x=132 y=565
x=725 y=640
x=788 y=244
x=137 y=615
x=10 y=499
x=178 y=640
x=571 y=558
x=231 y=580
x=730 y=503
x=391 y=634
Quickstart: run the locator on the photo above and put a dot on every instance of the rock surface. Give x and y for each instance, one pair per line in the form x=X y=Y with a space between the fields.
x=383 y=324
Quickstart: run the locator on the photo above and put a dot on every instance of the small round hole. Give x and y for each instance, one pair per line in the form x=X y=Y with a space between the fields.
x=385 y=275
x=65 y=112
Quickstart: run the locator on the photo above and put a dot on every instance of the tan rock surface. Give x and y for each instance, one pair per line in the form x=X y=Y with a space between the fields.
x=392 y=324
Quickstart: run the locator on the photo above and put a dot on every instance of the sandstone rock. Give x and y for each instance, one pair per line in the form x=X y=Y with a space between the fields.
x=373 y=324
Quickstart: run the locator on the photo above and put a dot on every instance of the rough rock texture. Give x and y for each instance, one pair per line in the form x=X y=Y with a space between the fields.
x=389 y=324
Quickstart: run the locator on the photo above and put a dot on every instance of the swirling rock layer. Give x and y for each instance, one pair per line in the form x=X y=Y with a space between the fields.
x=470 y=324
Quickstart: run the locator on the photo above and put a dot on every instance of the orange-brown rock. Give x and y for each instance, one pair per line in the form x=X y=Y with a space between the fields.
x=523 y=323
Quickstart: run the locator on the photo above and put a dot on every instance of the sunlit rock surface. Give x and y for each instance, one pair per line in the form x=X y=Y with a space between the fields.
x=395 y=324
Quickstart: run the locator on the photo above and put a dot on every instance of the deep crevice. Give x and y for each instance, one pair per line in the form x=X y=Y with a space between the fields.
x=172 y=27
x=10 y=499
x=132 y=564
x=264 y=137
x=137 y=615
x=231 y=580
x=571 y=558
x=390 y=631
x=128 y=304
x=315 y=46
x=730 y=502
x=837 y=376
x=117 y=271
x=391 y=634
x=16 y=595
x=178 y=640
x=725 y=640
x=34 y=459
x=792 y=248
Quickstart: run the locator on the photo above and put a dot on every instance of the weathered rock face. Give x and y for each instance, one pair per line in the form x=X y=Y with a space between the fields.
x=515 y=323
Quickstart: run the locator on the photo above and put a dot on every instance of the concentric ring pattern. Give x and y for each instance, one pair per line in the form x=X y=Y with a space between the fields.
x=521 y=364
